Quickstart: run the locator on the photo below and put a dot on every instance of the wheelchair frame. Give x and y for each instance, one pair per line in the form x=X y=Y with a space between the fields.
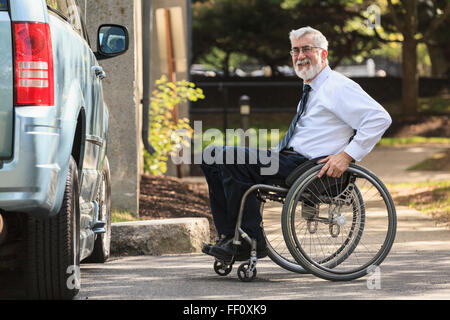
x=247 y=270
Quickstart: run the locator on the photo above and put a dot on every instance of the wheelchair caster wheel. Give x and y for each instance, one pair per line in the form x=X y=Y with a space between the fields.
x=245 y=274
x=221 y=268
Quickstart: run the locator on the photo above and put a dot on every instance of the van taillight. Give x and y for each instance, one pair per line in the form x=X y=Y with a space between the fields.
x=33 y=62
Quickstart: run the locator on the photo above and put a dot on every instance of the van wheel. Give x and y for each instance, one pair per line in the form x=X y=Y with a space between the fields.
x=102 y=243
x=52 y=268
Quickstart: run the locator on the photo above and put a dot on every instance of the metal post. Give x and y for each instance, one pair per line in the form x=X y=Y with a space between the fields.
x=146 y=37
x=244 y=109
x=225 y=113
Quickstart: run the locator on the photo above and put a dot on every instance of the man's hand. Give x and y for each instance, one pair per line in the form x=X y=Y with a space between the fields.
x=335 y=165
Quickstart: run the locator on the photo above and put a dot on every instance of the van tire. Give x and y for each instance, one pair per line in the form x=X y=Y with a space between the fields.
x=102 y=245
x=52 y=266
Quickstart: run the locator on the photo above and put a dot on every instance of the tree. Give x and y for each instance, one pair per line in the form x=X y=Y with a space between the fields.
x=259 y=28
x=256 y=28
x=405 y=17
x=438 y=44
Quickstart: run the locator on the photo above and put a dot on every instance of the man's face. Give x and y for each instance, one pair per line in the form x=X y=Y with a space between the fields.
x=307 y=64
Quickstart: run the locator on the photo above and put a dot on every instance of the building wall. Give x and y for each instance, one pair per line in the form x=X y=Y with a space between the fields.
x=159 y=62
x=122 y=90
x=123 y=86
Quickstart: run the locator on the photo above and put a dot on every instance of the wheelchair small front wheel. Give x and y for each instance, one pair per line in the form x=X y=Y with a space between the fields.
x=356 y=223
x=245 y=274
x=221 y=268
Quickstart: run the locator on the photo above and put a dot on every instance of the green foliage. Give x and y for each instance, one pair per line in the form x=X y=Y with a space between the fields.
x=258 y=29
x=166 y=135
x=402 y=141
x=118 y=215
x=255 y=29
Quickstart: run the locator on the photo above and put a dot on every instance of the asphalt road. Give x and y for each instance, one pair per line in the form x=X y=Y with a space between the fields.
x=418 y=266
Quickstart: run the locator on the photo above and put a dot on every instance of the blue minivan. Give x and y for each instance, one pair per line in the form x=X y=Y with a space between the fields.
x=54 y=173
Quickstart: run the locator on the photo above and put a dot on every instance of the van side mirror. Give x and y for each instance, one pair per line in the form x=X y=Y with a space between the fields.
x=112 y=40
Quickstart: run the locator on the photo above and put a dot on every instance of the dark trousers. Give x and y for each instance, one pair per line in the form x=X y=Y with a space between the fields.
x=228 y=182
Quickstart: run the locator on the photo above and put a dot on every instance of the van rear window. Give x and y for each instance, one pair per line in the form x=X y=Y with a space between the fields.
x=60 y=6
x=3 y=5
x=68 y=10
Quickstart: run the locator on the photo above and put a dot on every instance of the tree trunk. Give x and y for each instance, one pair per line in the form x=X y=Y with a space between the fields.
x=410 y=81
x=226 y=65
x=439 y=61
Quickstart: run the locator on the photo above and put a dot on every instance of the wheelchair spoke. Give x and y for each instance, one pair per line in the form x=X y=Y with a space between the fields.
x=270 y=212
x=345 y=224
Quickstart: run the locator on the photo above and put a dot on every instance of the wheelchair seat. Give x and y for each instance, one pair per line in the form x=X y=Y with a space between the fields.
x=286 y=183
x=305 y=166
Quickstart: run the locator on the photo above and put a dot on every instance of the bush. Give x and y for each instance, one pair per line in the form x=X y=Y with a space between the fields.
x=166 y=135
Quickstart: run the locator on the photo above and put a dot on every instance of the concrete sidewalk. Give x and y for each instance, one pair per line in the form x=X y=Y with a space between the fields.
x=390 y=164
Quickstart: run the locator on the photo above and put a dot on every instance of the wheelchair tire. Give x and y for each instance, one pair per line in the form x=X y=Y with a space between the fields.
x=371 y=220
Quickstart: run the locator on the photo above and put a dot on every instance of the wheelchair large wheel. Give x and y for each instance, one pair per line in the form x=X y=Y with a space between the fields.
x=339 y=228
x=278 y=252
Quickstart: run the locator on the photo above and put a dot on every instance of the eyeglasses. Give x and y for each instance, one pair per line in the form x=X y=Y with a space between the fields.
x=305 y=49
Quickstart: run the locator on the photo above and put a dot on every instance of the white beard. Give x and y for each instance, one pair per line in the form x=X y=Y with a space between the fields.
x=308 y=73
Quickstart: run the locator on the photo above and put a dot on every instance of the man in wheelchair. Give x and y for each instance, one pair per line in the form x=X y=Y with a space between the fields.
x=336 y=121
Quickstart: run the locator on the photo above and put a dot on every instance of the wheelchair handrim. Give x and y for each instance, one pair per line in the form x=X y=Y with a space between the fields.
x=300 y=255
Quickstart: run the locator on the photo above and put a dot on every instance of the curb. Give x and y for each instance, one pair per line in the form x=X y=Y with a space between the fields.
x=158 y=237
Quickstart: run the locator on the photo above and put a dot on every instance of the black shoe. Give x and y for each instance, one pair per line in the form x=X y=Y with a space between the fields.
x=226 y=249
x=207 y=246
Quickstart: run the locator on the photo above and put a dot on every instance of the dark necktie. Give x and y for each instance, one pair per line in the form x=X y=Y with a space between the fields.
x=290 y=132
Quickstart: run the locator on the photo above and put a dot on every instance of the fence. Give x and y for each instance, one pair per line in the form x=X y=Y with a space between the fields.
x=282 y=94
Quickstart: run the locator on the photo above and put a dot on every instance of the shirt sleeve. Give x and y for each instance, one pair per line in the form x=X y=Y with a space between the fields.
x=360 y=111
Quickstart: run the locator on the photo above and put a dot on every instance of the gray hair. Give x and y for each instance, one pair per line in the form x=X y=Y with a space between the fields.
x=319 y=38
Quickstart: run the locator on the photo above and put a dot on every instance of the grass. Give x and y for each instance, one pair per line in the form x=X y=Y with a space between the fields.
x=118 y=215
x=438 y=162
x=432 y=198
x=404 y=141
x=384 y=142
x=436 y=104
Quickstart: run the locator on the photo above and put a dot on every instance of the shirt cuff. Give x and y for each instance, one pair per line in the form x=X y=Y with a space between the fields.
x=355 y=151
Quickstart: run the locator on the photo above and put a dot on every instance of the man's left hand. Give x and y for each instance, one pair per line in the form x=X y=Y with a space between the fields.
x=335 y=165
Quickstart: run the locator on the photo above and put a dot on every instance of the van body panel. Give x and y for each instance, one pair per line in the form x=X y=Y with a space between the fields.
x=6 y=87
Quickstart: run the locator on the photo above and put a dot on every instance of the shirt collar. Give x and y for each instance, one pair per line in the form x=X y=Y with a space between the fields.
x=320 y=79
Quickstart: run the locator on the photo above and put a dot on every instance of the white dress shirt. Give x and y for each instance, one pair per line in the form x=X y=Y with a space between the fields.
x=336 y=106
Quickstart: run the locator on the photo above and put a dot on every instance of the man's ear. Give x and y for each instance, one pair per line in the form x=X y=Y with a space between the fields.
x=324 y=54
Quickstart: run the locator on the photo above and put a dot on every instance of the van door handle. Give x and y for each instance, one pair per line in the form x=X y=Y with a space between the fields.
x=99 y=73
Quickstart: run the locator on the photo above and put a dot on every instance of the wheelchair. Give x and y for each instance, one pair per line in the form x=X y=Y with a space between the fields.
x=337 y=229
